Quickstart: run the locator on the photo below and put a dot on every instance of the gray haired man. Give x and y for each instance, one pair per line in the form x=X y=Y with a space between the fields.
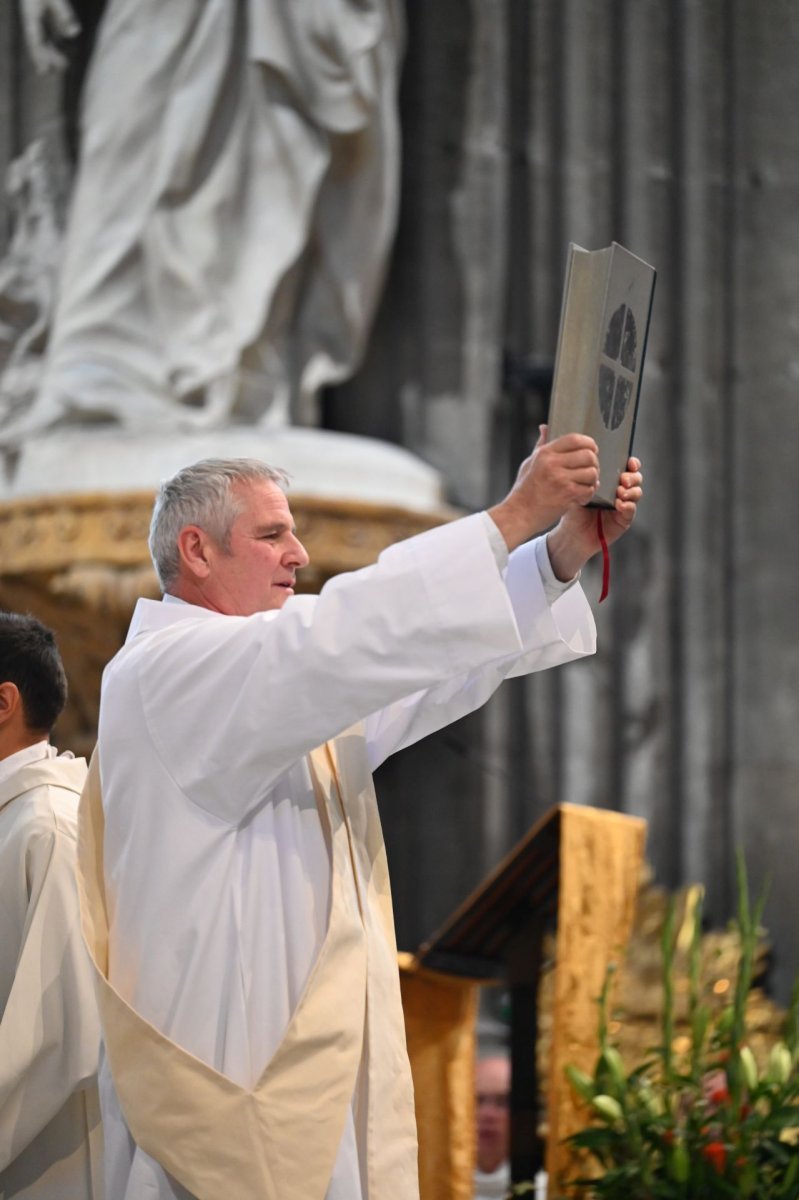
x=252 y=1015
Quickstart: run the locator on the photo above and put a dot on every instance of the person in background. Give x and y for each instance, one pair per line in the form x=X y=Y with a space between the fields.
x=492 y=1102
x=50 y=1133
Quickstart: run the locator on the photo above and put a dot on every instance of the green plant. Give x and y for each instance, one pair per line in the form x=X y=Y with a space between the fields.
x=704 y=1125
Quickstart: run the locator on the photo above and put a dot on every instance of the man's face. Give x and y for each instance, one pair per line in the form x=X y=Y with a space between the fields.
x=492 y=1086
x=258 y=570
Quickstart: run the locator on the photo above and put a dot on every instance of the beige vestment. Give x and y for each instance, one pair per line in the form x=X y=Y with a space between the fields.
x=278 y=1140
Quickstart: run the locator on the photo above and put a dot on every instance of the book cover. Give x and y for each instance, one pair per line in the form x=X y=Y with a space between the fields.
x=604 y=323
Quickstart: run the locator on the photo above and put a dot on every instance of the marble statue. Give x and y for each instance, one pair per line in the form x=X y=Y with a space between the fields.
x=233 y=207
x=28 y=274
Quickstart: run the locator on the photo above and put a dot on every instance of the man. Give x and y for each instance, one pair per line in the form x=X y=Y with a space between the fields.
x=237 y=898
x=50 y=1141
x=492 y=1099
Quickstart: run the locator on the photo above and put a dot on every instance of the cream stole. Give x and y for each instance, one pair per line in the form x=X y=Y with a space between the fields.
x=278 y=1141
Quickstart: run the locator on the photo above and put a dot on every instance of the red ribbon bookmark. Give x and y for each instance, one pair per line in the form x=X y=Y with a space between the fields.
x=605 y=556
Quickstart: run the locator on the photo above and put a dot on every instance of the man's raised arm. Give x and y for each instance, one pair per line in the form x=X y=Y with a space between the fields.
x=555 y=484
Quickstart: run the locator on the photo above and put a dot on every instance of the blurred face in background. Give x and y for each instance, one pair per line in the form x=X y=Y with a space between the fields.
x=492 y=1087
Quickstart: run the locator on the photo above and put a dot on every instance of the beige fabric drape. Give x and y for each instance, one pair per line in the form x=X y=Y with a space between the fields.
x=440 y=1025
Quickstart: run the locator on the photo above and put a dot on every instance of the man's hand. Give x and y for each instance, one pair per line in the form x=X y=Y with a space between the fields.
x=557 y=477
x=575 y=538
x=47 y=22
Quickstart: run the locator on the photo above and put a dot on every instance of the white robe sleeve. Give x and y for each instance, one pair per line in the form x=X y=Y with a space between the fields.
x=49 y=1032
x=550 y=635
x=262 y=691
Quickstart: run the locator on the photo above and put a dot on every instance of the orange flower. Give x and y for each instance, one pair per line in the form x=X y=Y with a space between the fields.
x=716 y=1155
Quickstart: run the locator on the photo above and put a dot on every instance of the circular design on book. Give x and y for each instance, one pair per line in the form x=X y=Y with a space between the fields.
x=617 y=367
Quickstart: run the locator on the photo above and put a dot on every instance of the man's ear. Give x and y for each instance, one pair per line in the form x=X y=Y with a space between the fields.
x=10 y=702
x=193 y=547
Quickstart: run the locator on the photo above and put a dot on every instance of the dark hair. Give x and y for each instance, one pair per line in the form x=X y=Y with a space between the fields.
x=29 y=658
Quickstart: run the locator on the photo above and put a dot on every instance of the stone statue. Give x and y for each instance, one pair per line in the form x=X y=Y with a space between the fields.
x=233 y=207
x=28 y=274
x=47 y=24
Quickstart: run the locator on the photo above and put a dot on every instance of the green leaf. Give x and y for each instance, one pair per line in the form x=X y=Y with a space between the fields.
x=782 y=1118
x=667 y=943
x=615 y=1066
x=643 y=1069
x=680 y=1163
x=583 y=1084
x=790 y=1178
x=595 y=1138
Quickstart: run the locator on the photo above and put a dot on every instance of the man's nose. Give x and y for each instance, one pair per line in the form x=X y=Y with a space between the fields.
x=296 y=554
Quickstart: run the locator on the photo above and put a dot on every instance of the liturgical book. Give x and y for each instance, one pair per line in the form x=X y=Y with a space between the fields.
x=604 y=322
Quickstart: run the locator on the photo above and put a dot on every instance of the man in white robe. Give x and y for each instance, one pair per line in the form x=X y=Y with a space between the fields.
x=50 y=1136
x=233 y=863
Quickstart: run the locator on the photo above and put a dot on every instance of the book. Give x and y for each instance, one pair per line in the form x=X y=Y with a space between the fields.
x=604 y=324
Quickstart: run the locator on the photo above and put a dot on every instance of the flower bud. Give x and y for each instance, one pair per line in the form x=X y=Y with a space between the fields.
x=608 y=1108
x=778 y=1069
x=716 y=1155
x=748 y=1068
x=680 y=1163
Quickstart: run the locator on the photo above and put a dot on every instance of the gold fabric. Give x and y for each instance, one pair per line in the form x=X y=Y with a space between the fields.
x=440 y=1023
x=600 y=862
x=279 y=1140
x=601 y=854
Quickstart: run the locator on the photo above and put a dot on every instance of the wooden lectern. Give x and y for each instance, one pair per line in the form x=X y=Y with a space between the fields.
x=576 y=873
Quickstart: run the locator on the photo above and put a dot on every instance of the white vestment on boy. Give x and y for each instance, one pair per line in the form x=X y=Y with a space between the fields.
x=50 y=1138
x=216 y=845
